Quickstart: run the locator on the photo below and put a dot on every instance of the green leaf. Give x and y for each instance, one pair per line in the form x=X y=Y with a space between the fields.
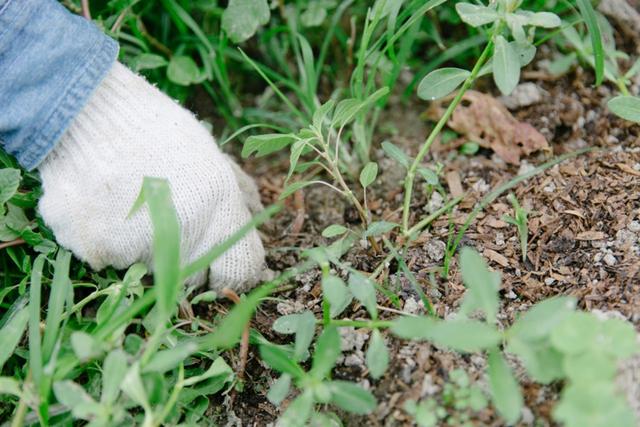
x=84 y=346
x=206 y=296
x=287 y=324
x=133 y=387
x=396 y=154
x=368 y=174
x=298 y=411
x=590 y=367
x=11 y=333
x=541 y=19
x=280 y=360
x=266 y=144
x=166 y=360
x=378 y=228
x=576 y=333
x=326 y=353
x=363 y=289
x=627 y=107
x=113 y=371
x=347 y=109
x=458 y=334
x=351 y=397
x=505 y=390
x=336 y=293
x=476 y=15
x=9 y=182
x=148 y=61
x=506 y=66
x=593 y=405
x=292 y=188
x=305 y=331
x=334 y=230
x=297 y=149
x=440 y=83
x=280 y=389
x=182 y=70
x=542 y=318
x=10 y=386
x=377 y=357
x=75 y=398
x=166 y=243
x=60 y=290
x=219 y=369
x=590 y=18
x=482 y=285
x=242 y=18
x=542 y=361
x=618 y=338
x=322 y=112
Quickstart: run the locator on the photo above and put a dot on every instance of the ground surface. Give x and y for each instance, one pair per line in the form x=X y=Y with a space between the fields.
x=584 y=240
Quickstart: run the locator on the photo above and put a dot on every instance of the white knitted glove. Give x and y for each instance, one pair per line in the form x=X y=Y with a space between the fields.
x=129 y=130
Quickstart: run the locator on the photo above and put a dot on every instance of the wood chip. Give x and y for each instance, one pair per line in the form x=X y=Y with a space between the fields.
x=455 y=184
x=496 y=257
x=591 y=235
x=628 y=169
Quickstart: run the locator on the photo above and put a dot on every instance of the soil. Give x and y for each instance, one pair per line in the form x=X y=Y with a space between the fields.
x=584 y=240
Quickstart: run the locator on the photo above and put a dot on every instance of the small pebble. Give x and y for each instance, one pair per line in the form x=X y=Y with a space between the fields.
x=610 y=260
x=435 y=249
x=549 y=281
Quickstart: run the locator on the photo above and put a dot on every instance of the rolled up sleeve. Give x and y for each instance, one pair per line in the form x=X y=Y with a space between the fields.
x=50 y=63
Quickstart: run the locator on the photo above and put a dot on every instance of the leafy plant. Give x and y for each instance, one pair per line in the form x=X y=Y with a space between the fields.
x=519 y=219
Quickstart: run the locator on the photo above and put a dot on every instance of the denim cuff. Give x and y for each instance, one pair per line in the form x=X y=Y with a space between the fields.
x=50 y=63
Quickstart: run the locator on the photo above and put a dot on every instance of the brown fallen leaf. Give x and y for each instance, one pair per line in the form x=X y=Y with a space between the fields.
x=483 y=119
x=496 y=257
x=455 y=184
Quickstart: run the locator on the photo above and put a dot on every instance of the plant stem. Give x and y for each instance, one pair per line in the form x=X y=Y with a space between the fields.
x=411 y=173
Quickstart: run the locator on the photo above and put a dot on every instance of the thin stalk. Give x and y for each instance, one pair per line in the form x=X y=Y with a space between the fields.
x=408 y=184
x=371 y=324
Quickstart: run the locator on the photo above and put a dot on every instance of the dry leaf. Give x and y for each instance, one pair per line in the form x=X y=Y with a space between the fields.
x=483 y=119
x=591 y=235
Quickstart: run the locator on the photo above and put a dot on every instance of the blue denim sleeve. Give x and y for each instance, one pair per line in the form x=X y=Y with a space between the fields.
x=50 y=63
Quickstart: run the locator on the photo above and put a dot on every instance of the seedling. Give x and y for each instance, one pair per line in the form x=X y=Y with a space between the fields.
x=521 y=222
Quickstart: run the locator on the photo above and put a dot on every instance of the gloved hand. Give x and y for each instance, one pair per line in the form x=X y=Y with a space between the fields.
x=129 y=130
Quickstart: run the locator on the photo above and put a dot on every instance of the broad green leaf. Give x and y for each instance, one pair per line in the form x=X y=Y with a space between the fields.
x=352 y=398
x=464 y=335
x=218 y=369
x=482 y=284
x=506 y=66
x=182 y=70
x=590 y=367
x=296 y=151
x=279 y=389
x=368 y=174
x=148 y=61
x=10 y=386
x=416 y=328
x=166 y=243
x=9 y=182
x=286 y=324
x=576 y=333
x=505 y=390
x=337 y=294
x=542 y=361
x=347 y=109
x=11 y=333
x=396 y=154
x=363 y=289
x=84 y=346
x=206 y=296
x=280 y=360
x=298 y=411
x=304 y=334
x=593 y=405
x=314 y=15
x=627 y=107
x=377 y=357
x=266 y=144
x=440 y=83
x=321 y=113
x=326 y=353
x=75 y=398
x=242 y=18
x=334 y=230
x=166 y=360
x=618 y=338
x=113 y=371
x=133 y=387
x=542 y=318
x=379 y=228
x=476 y=15
x=541 y=19
x=591 y=19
